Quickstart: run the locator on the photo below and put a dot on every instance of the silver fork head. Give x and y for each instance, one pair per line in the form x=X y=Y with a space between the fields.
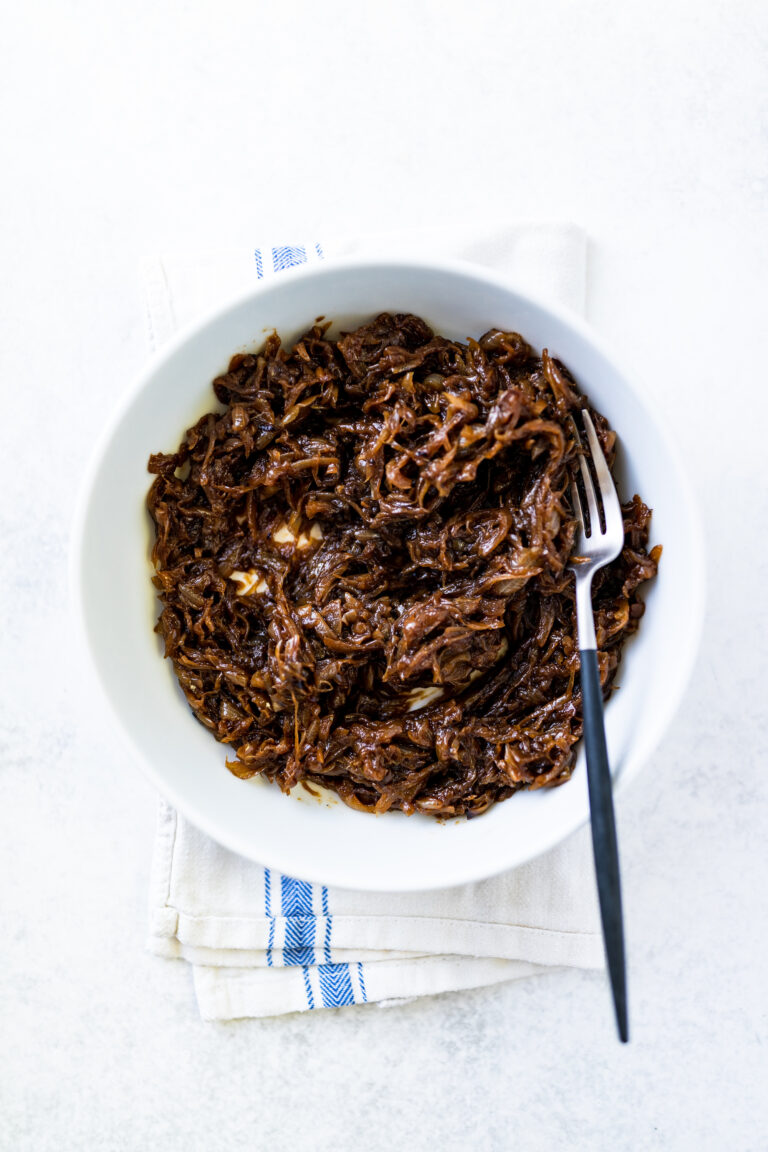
x=600 y=539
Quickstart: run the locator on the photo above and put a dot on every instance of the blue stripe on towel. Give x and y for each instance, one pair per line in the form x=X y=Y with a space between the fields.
x=299 y=944
x=362 y=982
x=268 y=910
x=308 y=986
x=259 y=264
x=328 y=925
x=288 y=255
x=335 y=985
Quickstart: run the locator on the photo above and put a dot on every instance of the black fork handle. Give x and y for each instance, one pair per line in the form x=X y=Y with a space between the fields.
x=604 y=844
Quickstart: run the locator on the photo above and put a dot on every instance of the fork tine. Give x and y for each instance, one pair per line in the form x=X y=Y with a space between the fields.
x=576 y=500
x=611 y=505
x=589 y=491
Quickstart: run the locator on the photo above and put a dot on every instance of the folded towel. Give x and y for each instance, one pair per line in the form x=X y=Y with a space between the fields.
x=261 y=943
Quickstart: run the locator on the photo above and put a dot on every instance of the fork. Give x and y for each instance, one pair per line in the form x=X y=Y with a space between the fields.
x=600 y=540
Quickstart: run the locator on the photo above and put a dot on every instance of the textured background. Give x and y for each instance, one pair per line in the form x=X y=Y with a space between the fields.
x=127 y=129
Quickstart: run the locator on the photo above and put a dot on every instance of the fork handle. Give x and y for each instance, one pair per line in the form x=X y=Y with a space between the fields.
x=604 y=844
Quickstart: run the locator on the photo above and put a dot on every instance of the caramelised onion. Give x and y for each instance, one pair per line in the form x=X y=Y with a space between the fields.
x=362 y=566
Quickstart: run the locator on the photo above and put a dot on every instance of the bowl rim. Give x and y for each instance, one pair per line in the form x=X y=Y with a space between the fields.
x=565 y=316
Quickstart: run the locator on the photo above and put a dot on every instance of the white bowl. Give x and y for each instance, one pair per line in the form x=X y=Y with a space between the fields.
x=328 y=842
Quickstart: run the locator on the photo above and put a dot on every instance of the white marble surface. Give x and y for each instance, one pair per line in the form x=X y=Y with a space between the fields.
x=128 y=128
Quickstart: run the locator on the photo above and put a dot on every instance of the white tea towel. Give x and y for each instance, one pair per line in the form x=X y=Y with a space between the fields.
x=261 y=943
x=547 y=259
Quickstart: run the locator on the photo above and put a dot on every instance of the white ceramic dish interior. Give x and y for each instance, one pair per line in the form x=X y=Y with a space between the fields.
x=326 y=841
